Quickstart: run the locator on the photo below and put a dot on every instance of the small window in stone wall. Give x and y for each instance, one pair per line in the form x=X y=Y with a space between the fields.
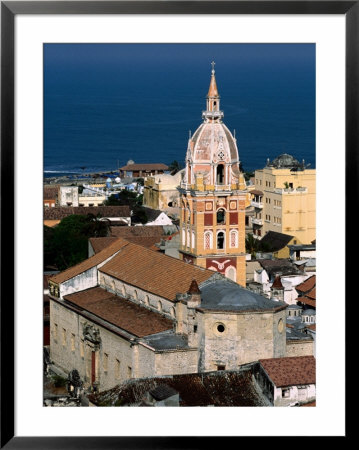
x=219 y=328
x=105 y=362
x=64 y=337
x=280 y=325
x=117 y=369
x=285 y=393
x=72 y=342
x=159 y=306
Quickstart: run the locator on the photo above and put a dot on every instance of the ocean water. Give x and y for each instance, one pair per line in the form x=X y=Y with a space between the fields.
x=105 y=104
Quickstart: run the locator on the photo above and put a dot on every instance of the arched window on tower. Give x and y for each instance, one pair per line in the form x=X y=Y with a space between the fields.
x=220 y=240
x=221 y=216
x=220 y=174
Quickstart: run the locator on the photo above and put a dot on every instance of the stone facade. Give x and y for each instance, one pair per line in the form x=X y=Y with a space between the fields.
x=300 y=348
x=161 y=191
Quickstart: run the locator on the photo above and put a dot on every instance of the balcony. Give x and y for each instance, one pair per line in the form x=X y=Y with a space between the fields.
x=212 y=114
x=258 y=205
x=256 y=221
x=291 y=191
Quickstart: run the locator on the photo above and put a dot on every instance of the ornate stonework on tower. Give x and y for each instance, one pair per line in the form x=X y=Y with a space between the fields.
x=213 y=196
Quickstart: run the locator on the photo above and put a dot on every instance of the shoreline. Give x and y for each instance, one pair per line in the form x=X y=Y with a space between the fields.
x=61 y=177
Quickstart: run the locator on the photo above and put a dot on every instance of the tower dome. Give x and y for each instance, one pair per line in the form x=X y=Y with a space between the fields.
x=212 y=150
x=285 y=161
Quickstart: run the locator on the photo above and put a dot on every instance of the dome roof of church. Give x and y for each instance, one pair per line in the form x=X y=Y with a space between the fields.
x=285 y=161
x=213 y=142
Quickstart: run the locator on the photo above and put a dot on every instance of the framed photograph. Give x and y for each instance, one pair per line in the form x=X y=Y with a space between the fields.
x=53 y=52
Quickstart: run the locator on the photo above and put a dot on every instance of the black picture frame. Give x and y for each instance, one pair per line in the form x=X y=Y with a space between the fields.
x=9 y=10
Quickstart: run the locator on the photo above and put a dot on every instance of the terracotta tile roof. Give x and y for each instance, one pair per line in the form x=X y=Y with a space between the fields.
x=50 y=192
x=312 y=327
x=100 y=243
x=290 y=371
x=312 y=294
x=125 y=232
x=277 y=283
x=145 y=241
x=90 y=262
x=220 y=388
x=60 y=212
x=120 y=312
x=307 y=285
x=307 y=301
x=144 y=167
x=153 y=271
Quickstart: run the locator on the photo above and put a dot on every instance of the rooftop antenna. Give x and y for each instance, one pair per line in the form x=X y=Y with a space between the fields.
x=189 y=134
x=234 y=133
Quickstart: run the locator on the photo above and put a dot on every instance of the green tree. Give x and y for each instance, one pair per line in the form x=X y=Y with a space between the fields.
x=67 y=244
x=174 y=167
x=133 y=200
x=252 y=244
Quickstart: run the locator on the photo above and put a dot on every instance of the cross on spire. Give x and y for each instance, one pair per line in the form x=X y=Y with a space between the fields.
x=213 y=64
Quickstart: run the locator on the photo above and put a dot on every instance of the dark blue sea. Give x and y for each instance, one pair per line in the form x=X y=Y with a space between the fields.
x=105 y=104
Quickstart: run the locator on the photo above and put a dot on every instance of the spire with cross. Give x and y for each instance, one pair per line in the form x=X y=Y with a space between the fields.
x=213 y=111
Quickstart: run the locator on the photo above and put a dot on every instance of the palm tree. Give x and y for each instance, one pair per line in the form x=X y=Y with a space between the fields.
x=252 y=245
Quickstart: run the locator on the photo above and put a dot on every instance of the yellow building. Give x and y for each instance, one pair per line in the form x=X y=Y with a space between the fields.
x=284 y=199
x=213 y=196
x=161 y=191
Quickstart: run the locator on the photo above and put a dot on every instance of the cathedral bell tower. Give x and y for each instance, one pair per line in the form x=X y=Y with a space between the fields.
x=212 y=222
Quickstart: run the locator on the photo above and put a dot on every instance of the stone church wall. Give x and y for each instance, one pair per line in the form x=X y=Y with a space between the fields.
x=300 y=348
x=246 y=338
x=116 y=360
x=177 y=362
